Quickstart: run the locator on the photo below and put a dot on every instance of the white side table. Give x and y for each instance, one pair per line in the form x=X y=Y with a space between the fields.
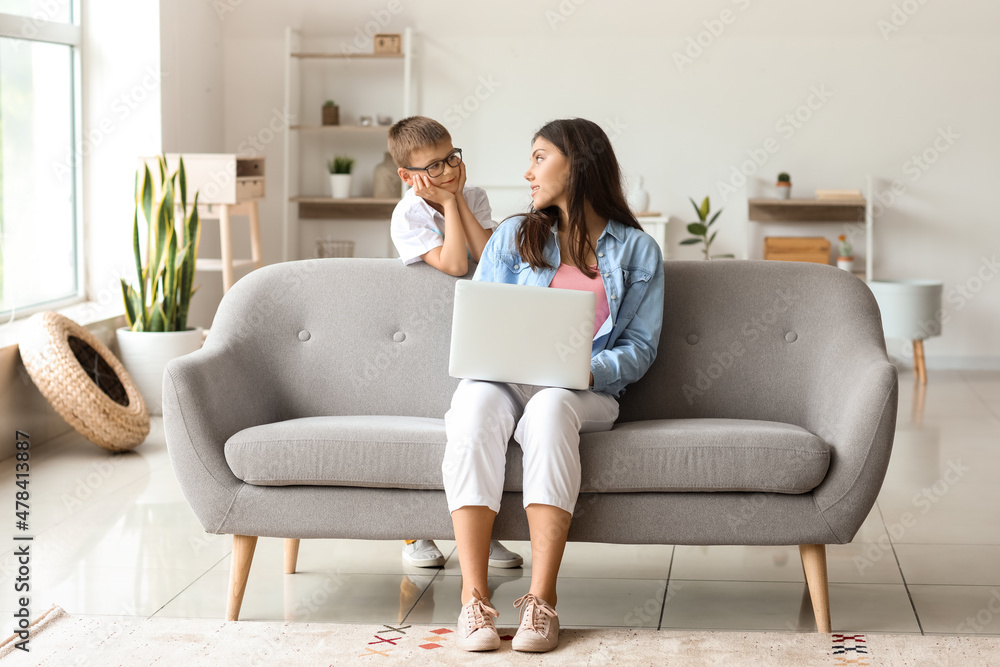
x=656 y=226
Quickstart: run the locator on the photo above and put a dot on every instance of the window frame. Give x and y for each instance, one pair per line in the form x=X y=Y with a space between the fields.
x=38 y=29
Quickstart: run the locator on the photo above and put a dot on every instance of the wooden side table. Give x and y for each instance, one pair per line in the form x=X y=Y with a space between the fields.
x=228 y=185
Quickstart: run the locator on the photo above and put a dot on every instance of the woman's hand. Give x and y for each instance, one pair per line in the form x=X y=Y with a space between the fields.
x=422 y=187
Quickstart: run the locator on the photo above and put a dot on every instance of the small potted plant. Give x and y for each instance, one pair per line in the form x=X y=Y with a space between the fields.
x=701 y=228
x=340 y=176
x=331 y=113
x=784 y=185
x=845 y=260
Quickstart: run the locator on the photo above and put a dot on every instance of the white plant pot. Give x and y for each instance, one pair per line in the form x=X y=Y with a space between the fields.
x=845 y=263
x=340 y=186
x=145 y=355
x=911 y=309
x=784 y=191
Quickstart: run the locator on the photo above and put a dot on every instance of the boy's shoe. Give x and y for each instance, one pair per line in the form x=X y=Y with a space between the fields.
x=476 y=628
x=423 y=553
x=539 y=628
x=501 y=556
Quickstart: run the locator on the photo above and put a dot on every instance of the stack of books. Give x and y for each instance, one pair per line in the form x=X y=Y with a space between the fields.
x=839 y=195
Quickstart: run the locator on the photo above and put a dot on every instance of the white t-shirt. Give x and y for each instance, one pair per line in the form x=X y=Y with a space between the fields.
x=417 y=228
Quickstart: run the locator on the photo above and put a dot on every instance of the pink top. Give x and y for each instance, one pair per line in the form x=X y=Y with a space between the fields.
x=570 y=277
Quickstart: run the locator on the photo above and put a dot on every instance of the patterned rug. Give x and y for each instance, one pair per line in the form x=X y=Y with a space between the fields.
x=58 y=639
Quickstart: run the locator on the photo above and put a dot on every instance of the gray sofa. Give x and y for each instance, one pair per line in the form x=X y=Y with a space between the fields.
x=315 y=410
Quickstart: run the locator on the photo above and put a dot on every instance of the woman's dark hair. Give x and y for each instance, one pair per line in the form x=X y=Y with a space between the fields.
x=594 y=176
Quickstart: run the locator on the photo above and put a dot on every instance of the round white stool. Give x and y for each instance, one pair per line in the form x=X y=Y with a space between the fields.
x=911 y=309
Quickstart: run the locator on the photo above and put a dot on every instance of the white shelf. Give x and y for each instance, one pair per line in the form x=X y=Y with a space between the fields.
x=347 y=56
x=341 y=128
x=300 y=82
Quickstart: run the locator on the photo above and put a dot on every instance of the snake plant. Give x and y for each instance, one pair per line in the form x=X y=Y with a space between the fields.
x=162 y=297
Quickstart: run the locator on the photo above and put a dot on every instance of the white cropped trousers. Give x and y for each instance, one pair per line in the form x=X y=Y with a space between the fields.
x=545 y=421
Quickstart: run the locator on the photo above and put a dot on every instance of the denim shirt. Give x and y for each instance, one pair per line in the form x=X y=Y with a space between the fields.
x=631 y=267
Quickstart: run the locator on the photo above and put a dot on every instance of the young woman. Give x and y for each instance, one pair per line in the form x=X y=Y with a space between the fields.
x=578 y=234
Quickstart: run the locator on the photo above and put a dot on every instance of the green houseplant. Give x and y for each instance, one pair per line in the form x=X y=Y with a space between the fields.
x=784 y=185
x=340 y=176
x=166 y=279
x=157 y=303
x=700 y=230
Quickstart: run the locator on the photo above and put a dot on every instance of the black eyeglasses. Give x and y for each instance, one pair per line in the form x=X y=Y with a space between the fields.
x=435 y=169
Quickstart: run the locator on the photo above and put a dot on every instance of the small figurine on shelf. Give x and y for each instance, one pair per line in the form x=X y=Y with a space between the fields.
x=340 y=176
x=784 y=185
x=846 y=259
x=386 y=179
x=331 y=113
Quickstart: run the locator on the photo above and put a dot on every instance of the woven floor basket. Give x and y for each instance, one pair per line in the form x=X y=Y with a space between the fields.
x=84 y=382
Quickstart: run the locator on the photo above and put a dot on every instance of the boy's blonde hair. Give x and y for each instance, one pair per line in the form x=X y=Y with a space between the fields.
x=412 y=134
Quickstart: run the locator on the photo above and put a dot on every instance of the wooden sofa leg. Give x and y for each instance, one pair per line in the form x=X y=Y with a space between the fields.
x=243 y=547
x=291 y=554
x=814 y=565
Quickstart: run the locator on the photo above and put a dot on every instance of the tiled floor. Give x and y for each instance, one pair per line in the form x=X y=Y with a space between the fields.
x=114 y=536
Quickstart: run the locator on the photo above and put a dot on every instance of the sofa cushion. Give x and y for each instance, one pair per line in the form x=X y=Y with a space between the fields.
x=654 y=455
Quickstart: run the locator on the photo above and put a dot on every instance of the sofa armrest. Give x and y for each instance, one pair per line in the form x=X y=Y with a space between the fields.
x=855 y=413
x=208 y=396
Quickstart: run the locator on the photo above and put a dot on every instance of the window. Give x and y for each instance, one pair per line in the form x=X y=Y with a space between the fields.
x=40 y=240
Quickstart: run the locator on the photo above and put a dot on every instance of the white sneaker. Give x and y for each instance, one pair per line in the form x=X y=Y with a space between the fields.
x=423 y=553
x=539 y=628
x=476 y=628
x=501 y=556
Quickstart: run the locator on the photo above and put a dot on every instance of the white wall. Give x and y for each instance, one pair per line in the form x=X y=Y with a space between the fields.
x=894 y=81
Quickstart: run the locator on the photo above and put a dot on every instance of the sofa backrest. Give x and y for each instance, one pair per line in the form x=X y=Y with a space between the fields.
x=740 y=339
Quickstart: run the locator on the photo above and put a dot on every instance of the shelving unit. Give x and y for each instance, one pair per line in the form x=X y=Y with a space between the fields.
x=304 y=202
x=805 y=211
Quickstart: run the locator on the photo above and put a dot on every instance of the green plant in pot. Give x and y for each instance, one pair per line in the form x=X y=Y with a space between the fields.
x=700 y=230
x=784 y=185
x=157 y=303
x=340 y=168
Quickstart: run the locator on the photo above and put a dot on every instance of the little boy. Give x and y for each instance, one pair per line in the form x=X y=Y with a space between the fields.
x=442 y=222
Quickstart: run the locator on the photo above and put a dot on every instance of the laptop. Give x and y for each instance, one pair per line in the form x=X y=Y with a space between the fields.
x=523 y=334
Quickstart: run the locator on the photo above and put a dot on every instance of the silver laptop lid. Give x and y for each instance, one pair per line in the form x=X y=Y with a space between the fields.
x=521 y=333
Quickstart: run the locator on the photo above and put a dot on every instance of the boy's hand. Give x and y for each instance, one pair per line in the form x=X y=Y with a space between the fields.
x=422 y=187
x=461 y=180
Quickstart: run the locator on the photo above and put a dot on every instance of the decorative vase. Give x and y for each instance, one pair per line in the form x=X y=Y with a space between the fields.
x=638 y=199
x=340 y=186
x=845 y=263
x=386 y=179
x=331 y=115
x=145 y=355
x=784 y=190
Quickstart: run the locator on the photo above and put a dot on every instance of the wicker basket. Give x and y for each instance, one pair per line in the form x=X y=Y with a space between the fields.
x=334 y=248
